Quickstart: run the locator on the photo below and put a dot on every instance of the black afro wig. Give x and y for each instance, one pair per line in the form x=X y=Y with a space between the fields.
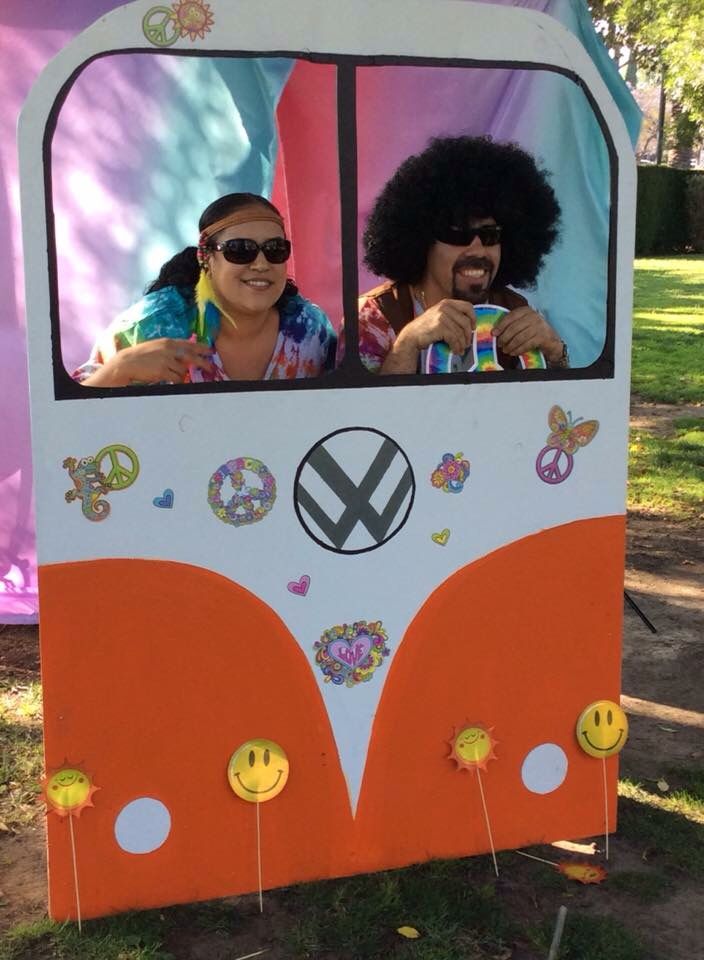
x=453 y=180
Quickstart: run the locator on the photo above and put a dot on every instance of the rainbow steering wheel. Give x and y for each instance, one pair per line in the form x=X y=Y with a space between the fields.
x=481 y=355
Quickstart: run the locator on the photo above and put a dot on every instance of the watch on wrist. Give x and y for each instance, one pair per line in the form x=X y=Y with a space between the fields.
x=563 y=361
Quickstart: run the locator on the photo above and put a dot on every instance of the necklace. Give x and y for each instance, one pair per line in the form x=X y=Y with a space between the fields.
x=419 y=296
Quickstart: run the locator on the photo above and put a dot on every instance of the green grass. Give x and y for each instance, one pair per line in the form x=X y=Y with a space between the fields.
x=131 y=937
x=453 y=904
x=667 y=828
x=666 y=474
x=668 y=330
x=592 y=938
x=645 y=886
x=20 y=753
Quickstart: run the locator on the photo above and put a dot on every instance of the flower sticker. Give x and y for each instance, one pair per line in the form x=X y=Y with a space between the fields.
x=350 y=653
x=451 y=473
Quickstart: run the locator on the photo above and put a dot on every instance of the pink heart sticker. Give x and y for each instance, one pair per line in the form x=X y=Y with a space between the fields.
x=299 y=587
x=351 y=652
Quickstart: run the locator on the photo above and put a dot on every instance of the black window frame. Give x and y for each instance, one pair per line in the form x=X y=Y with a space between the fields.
x=351 y=374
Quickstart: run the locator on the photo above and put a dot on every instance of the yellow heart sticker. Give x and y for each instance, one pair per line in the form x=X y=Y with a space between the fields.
x=441 y=537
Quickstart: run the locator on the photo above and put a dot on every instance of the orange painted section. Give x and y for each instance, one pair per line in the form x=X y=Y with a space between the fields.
x=521 y=641
x=154 y=672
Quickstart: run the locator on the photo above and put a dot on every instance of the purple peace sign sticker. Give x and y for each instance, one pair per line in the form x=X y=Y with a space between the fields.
x=554 y=465
x=253 y=491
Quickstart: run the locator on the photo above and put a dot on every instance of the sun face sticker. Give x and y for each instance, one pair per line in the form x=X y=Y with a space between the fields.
x=472 y=746
x=258 y=770
x=193 y=18
x=602 y=728
x=68 y=791
x=582 y=872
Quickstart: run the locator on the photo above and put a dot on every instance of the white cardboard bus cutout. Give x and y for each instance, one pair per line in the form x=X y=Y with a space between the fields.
x=169 y=637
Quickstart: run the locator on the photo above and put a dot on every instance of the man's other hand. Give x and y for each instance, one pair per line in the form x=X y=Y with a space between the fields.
x=525 y=329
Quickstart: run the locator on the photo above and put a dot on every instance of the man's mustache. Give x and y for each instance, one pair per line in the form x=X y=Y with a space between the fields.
x=473 y=263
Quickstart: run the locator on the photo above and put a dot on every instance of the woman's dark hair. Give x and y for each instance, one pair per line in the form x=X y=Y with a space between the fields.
x=183 y=270
x=453 y=180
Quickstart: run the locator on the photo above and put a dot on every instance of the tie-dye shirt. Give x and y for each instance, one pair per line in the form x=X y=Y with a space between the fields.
x=305 y=346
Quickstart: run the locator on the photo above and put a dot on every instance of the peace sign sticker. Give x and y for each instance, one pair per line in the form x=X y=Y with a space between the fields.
x=160 y=26
x=254 y=491
x=121 y=466
x=554 y=465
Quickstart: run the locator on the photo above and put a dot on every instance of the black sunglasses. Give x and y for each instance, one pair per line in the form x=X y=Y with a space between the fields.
x=489 y=235
x=243 y=250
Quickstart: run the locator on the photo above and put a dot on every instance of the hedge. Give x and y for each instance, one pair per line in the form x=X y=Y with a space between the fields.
x=670 y=211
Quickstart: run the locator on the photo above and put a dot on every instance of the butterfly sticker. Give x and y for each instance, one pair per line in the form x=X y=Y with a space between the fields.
x=556 y=460
x=569 y=434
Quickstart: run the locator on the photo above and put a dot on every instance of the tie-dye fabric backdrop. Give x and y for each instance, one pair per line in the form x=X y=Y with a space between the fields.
x=144 y=141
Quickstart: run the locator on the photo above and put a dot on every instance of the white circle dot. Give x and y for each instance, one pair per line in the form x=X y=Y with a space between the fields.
x=142 y=825
x=544 y=768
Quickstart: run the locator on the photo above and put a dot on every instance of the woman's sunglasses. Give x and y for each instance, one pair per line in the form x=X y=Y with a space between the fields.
x=243 y=250
x=489 y=235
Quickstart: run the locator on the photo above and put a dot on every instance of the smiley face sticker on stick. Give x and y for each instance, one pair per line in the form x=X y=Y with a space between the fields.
x=472 y=746
x=258 y=770
x=602 y=729
x=68 y=791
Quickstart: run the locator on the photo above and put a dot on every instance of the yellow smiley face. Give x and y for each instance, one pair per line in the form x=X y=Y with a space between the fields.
x=68 y=788
x=258 y=770
x=472 y=745
x=602 y=728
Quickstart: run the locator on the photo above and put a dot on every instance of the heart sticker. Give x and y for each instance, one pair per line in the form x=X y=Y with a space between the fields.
x=166 y=500
x=299 y=587
x=351 y=652
x=442 y=537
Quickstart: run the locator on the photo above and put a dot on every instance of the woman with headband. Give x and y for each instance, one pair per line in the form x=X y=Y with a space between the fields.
x=223 y=311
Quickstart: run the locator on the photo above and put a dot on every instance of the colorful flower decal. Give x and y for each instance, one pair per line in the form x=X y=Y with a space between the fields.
x=351 y=652
x=248 y=504
x=451 y=473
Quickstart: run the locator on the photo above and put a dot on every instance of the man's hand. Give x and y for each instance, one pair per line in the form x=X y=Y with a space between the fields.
x=453 y=321
x=153 y=361
x=525 y=329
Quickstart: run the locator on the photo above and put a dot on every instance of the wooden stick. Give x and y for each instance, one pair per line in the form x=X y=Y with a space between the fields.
x=533 y=857
x=75 y=870
x=259 y=860
x=606 y=808
x=488 y=825
x=557 y=935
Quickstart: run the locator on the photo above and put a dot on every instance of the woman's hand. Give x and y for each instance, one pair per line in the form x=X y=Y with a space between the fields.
x=453 y=321
x=153 y=361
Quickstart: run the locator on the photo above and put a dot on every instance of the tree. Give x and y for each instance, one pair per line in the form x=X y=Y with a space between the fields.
x=665 y=38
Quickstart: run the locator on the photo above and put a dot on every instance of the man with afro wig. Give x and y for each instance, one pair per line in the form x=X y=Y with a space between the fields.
x=458 y=225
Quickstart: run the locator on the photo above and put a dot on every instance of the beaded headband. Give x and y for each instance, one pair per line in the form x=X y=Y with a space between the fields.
x=241 y=216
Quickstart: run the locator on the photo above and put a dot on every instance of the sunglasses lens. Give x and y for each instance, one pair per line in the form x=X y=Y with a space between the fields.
x=277 y=250
x=240 y=250
x=489 y=235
